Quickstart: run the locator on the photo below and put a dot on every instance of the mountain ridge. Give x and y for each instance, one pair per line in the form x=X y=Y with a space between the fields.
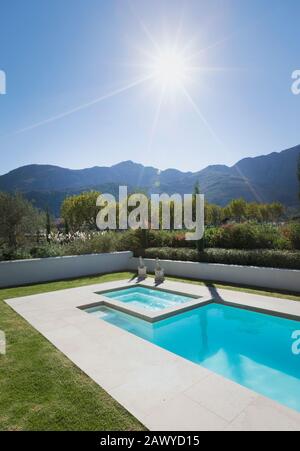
x=265 y=178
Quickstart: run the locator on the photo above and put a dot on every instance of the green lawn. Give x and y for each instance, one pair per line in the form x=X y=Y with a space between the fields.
x=40 y=389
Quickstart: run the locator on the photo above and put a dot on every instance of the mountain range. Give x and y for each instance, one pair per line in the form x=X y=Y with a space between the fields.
x=265 y=178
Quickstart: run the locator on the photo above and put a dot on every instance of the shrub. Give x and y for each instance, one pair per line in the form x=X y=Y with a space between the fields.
x=168 y=238
x=213 y=236
x=48 y=250
x=179 y=240
x=169 y=253
x=243 y=236
x=160 y=238
x=92 y=243
x=14 y=254
x=234 y=236
x=292 y=233
x=130 y=240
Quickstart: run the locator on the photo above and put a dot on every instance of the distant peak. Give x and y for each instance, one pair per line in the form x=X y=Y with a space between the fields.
x=126 y=163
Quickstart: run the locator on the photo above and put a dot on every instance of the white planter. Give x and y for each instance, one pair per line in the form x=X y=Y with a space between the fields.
x=159 y=275
x=142 y=272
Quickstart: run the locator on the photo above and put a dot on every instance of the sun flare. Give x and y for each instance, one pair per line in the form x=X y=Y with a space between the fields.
x=170 y=69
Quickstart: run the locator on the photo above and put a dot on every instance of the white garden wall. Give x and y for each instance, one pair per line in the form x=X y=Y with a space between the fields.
x=21 y=272
x=278 y=279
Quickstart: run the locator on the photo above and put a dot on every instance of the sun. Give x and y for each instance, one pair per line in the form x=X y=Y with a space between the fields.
x=170 y=69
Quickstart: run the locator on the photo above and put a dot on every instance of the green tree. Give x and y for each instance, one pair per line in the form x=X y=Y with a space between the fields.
x=226 y=213
x=80 y=211
x=238 y=209
x=18 y=218
x=276 y=210
x=199 y=243
x=48 y=224
x=253 y=212
x=197 y=188
x=264 y=212
x=66 y=227
x=213 y=214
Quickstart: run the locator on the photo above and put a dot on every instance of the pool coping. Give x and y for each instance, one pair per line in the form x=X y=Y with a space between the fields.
x=148 y=315
x=161 y=389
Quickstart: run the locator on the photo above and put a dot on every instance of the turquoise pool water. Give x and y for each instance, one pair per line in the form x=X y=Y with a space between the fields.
x=252 y=349
x=147 y=298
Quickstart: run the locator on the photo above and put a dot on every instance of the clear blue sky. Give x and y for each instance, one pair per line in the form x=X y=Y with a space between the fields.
x=61 y=54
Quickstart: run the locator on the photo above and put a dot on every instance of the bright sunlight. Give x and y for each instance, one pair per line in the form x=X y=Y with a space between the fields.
x=170 y=69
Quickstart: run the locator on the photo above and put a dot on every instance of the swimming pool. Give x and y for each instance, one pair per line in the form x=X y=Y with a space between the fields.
x=250 y=348
x=148 y=298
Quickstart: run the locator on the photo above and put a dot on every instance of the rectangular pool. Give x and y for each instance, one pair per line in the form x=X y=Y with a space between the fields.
x=250 y=348
x=147 y=298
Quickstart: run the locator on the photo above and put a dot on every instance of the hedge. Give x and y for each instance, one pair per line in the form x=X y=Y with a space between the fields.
x=262 y=258
x=249 y=236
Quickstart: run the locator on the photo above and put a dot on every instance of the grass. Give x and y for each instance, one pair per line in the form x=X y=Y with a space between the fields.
x=43 y=390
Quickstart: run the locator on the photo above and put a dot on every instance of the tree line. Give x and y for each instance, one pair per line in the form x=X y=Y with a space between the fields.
x=79 y=212
x=20 y=219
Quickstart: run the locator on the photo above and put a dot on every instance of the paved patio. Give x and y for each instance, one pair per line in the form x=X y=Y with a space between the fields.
x=161 y=389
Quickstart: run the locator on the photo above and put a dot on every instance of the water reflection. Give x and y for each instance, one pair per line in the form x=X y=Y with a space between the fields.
x=250 y=348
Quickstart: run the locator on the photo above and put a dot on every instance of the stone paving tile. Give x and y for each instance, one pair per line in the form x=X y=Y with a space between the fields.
x=163 y=390
x=183 y=414
x=265 y=415
x=154 y=384
x=221 y=396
